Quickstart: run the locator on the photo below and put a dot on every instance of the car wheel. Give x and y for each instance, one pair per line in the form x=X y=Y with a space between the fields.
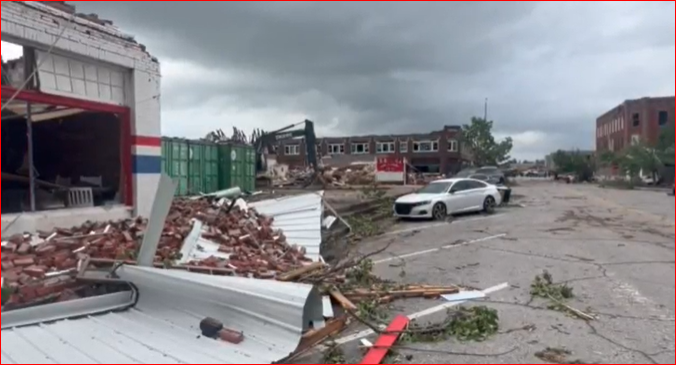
x=439 y=211
x=489 y=205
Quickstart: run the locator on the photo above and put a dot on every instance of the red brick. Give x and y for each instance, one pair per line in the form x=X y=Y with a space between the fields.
x=67 y=264
x=45 y=250
x=7 y=265
x=35 y=271
x=24 y=249
x=10 y=247
x=231 y=336
x=24 y=261
x=9 y=256
x=10 y=276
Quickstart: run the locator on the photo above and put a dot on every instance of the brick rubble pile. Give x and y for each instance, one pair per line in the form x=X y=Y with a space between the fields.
x=44 y=266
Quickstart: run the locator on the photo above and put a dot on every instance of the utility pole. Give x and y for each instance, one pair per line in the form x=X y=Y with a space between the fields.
x=486 y=110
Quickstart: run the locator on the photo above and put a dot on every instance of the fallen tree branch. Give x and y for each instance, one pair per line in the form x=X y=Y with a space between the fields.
x=578 y=313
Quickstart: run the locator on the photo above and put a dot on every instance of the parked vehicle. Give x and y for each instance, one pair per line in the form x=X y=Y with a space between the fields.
x=444 y=197
x=491 y=179
x=494 y=174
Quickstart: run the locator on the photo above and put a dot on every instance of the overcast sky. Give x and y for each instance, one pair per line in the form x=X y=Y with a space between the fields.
x=548 y=69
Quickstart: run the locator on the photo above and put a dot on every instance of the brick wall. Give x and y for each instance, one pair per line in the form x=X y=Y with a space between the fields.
x=636 y=118
x=41 y=24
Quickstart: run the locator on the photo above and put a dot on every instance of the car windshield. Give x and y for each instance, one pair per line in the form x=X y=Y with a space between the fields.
x=435 y=188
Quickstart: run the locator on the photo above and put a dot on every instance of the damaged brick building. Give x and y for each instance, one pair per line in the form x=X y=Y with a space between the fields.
x=634 y=121
x=435 y=152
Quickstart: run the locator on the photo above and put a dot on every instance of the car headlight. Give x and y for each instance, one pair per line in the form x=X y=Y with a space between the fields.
x=428 y=202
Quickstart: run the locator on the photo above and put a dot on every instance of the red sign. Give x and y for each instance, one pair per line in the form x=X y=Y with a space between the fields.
x=390 y=164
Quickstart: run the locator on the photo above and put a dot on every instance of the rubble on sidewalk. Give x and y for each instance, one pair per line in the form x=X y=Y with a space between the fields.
x=329 y=176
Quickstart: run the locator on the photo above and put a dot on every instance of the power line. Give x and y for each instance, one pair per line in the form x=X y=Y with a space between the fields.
x=32 y=75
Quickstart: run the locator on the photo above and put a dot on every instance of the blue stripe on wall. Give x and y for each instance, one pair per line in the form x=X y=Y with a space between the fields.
x=142 y=164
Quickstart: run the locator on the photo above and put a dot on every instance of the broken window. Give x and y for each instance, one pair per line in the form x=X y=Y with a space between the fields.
x=336 y=149
x=663 y=117
x=359 y=148
x=426 y=146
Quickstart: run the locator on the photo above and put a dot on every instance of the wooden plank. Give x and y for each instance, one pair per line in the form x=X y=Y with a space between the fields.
x=340 y=298
x=382 y=347
x=302 y=271
x=314 y=337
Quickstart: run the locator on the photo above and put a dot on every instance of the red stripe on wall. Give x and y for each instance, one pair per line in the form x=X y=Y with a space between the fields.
x=146 y=141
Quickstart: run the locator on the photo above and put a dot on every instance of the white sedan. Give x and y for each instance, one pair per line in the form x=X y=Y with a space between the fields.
x=449 y=196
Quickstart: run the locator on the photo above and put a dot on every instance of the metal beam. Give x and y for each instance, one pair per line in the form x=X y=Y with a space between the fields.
x=158 y=215
x=31 y=166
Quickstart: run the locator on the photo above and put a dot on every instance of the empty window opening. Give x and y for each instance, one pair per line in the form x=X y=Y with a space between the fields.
x=336 y=149
x=359 y=148
x=426 y=146
x=76 y=160
x=663 y=118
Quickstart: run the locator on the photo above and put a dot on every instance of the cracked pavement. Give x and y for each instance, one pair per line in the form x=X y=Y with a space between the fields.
x=615 y=248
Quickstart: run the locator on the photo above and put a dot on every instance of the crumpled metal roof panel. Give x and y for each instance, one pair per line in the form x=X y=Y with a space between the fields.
x=163 y=326
x=299 y=217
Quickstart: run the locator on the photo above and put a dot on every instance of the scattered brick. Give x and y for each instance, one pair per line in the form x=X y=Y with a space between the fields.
x=44 y=250
x=35 y=271
x=24 y=261
x=248 y=244
x=231 y=336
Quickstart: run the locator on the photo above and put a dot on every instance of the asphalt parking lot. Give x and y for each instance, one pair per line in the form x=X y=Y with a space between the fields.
x=615 y=248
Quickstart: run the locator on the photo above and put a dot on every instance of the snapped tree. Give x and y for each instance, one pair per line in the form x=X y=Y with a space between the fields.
x=478 y=138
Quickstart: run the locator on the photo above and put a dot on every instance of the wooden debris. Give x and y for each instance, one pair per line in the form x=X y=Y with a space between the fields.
x=296 y=274
x=342 y=300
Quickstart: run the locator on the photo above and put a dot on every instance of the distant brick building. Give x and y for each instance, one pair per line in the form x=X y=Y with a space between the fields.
x=435 y=152
x=633 y=121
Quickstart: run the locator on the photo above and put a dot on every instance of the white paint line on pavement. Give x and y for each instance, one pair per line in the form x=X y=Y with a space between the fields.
x=416 y=228
x=443 y=224
x=425 y=313
x=420 y=253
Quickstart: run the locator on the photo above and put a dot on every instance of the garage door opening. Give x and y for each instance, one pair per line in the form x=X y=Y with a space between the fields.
x=75 y=158
x=61 y=163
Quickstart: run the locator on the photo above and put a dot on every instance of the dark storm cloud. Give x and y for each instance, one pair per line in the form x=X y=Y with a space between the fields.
x=546 y=67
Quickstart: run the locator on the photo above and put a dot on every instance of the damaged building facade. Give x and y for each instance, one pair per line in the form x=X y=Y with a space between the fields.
x=437 y=152
x=87 y=97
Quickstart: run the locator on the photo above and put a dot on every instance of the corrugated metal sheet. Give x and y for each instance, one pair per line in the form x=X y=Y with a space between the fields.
x=299 y=217
x=163 y=327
